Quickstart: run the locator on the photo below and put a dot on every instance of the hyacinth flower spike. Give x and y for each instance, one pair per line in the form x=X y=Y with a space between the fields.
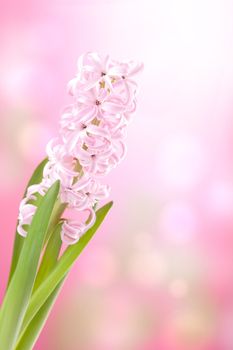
x=90 y=143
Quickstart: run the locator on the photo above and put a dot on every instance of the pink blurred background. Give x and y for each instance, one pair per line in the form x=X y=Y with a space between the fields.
x=159 y=273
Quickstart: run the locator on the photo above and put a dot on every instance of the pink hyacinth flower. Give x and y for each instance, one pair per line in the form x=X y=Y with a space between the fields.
x=26 y=212
x=98 y=102
x=85 y=193
x=92 y=70
x=73 y=230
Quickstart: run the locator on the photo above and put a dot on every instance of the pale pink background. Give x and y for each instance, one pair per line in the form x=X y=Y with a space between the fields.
x=159 y=273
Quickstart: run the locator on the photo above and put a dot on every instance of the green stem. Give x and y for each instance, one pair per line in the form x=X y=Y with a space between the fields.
x=58 y=210
x=50 y=256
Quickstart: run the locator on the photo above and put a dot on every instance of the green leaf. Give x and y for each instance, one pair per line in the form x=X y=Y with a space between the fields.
x=19 y=291
x=35 y=327
x=19 y=240
x=48 y=262
x=50 y=256
x=61 y=269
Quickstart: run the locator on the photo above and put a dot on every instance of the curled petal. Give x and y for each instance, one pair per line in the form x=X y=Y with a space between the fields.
x=73 y=230
x=26 y=213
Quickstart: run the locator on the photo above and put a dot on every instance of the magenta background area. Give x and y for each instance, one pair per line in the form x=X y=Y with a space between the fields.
x=159 y=273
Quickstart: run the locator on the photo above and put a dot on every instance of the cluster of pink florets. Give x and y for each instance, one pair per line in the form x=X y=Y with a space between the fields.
x=91 y=140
